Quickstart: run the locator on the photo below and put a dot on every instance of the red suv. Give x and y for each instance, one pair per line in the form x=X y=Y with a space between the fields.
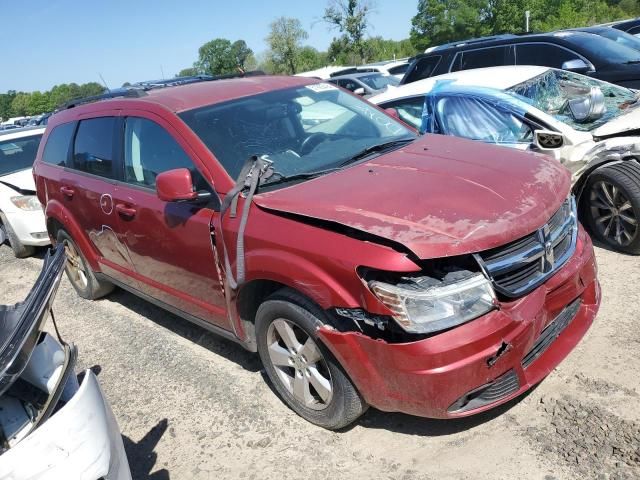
x=367 y=266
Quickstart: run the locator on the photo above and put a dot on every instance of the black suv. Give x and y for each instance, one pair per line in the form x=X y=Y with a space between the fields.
x=579 y=52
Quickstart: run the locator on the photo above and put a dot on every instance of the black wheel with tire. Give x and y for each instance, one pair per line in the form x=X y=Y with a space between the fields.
x=612 y=206
x=79 y=272
x=302 y=370
x=7 y=234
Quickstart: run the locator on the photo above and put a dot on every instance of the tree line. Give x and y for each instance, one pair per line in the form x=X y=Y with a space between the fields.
x=436 y=22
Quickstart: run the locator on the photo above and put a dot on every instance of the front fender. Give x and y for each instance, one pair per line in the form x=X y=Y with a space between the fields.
x=55 y=210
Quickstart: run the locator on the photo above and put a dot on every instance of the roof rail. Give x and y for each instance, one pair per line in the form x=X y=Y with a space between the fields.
x=471 y=41
x=140 y=89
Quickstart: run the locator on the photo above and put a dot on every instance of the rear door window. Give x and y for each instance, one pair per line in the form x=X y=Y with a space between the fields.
x=150 y=150
x=56 y=150
x=543 y=54
x=484 y=57
x=93 y=150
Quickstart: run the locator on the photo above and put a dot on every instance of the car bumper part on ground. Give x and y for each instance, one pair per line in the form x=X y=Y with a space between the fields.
x=81 y=440
x=483 y=363
x=29 y=227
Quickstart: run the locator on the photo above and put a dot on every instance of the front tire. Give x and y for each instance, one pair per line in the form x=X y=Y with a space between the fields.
x=79 y=272
x=302 y=370
x=612 y=206
x=19 y=249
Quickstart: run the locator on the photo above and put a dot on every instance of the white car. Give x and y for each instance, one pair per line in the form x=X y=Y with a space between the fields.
x=590 y=126
x=22 y=221
x=52 y=426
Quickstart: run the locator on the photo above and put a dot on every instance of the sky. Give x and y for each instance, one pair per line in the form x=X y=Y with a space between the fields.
x=48 y=42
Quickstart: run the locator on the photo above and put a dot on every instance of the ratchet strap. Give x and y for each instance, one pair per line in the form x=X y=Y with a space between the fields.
x=249 y=178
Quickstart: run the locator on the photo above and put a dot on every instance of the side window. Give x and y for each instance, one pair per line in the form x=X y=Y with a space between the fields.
x=634 y=30
x=150 y=150
x=480 y=120
x=424 y=68
x=483 y=57
x=56 y=150
x=409 y=110
x=543 y=54
x=93 y=150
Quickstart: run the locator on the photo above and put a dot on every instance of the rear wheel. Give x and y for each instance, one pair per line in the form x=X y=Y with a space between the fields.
x=78 y=271
x=612 y=198
x=7 y=234
x=303 y=372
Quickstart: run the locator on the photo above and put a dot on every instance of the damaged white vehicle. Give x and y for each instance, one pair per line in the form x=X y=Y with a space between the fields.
x=51 y=427
x=591 y=127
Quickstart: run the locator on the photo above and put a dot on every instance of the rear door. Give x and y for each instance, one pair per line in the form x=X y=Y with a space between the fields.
x=88 y=188
x=169 y=243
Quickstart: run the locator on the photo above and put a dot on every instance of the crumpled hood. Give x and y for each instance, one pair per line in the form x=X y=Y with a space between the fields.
x=620 y=124
x=439 y=196
x=22 y=180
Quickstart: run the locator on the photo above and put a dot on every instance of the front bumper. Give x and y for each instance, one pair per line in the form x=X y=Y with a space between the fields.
x=435 y=376
x=29 y=226
x=81 y=440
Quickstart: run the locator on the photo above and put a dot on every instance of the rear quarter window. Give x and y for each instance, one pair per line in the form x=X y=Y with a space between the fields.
x=56 y=150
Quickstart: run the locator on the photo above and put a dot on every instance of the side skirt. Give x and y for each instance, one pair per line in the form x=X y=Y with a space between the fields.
x=226 y=334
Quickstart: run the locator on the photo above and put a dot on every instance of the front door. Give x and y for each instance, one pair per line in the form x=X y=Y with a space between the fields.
x=169 y=243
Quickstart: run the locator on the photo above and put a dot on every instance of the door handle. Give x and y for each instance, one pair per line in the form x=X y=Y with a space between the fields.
x=125 y=211
x=67 y=192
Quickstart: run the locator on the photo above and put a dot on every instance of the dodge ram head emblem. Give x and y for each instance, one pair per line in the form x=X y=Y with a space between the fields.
x=548 y=260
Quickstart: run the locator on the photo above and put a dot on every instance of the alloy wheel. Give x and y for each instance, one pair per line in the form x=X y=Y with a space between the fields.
x=613 y=213
x=75 y=266
x=299 y=364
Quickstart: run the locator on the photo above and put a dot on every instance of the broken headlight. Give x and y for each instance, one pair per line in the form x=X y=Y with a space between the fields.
x=427 y=305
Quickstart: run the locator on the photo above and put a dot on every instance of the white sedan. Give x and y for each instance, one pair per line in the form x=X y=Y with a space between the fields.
x=22 y=221
x=591 y=127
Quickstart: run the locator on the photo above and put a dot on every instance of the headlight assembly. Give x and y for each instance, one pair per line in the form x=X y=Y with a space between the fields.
x=427 y=305
x=27 y=202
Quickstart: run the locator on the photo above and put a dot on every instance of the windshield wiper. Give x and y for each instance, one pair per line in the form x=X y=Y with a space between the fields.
x=381 y=147
x=291 y=178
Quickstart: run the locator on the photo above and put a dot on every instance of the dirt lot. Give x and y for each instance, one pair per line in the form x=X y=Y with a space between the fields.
x=191 y=405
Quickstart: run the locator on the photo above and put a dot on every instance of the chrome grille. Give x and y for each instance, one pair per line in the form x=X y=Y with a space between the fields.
x=520 y=266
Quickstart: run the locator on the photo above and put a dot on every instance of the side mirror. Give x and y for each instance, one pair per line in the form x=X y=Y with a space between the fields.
x=588 y=108
x=175 y=186
x=548 y=140
x=393 y=112
x=577 y=65
x=359 y=91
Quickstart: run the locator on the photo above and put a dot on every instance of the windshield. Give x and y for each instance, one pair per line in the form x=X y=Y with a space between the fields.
x=622 y=38
x=18 y=154
x=607 y=50
x=301 y=130
x=551 y=91
x=378 y=81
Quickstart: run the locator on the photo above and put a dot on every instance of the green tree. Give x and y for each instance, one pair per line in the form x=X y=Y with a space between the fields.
x=310 y=59
x=20 y=105
x=285 y=43
x=216 y=57
x=38 y=103
x=5 y=104
x=351 y=19
x=242 y=54
x=187 y=72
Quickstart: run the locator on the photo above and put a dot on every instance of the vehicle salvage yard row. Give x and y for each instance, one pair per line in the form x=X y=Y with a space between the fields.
x=191 y=405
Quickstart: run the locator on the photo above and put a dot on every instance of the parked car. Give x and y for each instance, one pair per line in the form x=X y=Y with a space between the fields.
x=618 y=36
x=366 y=266
x=579 y=52
x=21 y=216
x=8 y=127
x=52 y=426
x=539 y=108
x=364 y=84
x=631 y=26
x=395 y=68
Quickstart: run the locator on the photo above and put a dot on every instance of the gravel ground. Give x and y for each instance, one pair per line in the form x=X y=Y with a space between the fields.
x=191 y=405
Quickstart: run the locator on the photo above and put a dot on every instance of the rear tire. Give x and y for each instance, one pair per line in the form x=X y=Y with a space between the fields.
x=79 y=272
x=612 y=206
x=19 y=249
x=302 y=370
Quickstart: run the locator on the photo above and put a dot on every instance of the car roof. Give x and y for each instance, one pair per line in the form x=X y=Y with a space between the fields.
x=16 y=133
x=356 y=75
x=500 y=78
x=189 y=96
